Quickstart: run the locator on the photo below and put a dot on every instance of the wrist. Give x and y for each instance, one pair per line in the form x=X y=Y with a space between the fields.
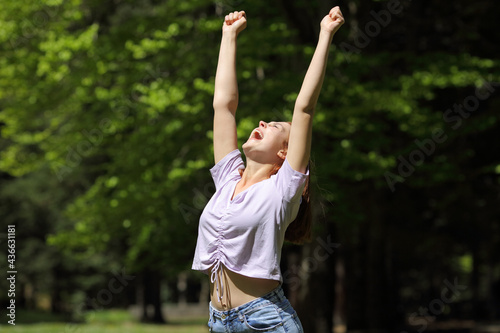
x=326 y=34
x=229 y=34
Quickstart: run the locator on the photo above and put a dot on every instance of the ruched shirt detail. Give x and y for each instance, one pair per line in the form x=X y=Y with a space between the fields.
x=246 y=234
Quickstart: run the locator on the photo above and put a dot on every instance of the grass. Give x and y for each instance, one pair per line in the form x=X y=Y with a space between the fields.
x=109 y=321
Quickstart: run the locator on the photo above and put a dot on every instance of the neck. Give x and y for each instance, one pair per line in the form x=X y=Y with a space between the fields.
x=255 y=172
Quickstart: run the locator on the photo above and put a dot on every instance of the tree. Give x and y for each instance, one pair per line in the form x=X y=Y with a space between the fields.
x=114 y=98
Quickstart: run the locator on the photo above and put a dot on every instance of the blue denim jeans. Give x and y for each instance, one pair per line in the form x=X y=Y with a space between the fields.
x=269 y=313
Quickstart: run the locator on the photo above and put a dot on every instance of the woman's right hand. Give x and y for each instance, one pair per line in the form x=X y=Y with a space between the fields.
x=235 y=22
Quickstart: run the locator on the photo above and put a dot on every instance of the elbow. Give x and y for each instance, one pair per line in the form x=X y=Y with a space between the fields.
x=225 y=105
x=225 y=100
x=305 y=108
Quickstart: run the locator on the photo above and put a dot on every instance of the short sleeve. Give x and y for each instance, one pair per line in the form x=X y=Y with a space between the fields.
x=290 y=182
x=227 y=168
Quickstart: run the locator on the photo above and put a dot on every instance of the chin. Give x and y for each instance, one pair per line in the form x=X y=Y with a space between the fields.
x=246 y=147
x=247 y=144
x=249 y=149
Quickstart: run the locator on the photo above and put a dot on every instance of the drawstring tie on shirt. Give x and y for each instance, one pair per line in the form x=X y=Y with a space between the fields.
x=216 y=277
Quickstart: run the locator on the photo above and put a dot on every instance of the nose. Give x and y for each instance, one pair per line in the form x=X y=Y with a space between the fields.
x=262 y=124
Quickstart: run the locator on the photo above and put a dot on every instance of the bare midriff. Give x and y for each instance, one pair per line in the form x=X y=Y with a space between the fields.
x=239 y=289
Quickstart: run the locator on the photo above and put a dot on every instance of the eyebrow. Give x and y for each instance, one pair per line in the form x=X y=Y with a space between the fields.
x=278 y=124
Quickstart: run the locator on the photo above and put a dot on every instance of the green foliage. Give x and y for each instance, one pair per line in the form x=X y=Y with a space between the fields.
x=105 y=119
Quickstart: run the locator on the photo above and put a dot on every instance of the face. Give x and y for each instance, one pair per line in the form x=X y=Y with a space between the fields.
x=266 y=143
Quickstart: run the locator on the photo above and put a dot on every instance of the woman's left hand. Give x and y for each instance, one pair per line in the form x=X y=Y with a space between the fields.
x=333 y=21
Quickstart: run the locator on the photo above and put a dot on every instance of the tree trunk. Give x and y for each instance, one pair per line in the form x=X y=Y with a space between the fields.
x=155 y=293
x=318 y=276
x=474 y=281
x=149 y=293
x=339 y=309
x=141 y=298
x=56 y=304
x=204 y=297
x=182 y=282
x=377 y=296
x=367 y=270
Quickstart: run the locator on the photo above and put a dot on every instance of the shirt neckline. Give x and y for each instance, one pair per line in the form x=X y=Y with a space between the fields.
x=245 y=190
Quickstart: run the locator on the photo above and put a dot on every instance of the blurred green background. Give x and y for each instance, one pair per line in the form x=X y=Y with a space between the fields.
x=105 y=121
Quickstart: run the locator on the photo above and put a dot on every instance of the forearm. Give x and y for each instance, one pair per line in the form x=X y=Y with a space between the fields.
x=311 y=87
x=226 y=85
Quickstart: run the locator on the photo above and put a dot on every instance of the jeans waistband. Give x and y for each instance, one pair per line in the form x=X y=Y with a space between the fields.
x=273 y=296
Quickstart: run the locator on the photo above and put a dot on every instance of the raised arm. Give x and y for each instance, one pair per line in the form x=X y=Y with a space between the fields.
x=226 y=87
x=299 y=144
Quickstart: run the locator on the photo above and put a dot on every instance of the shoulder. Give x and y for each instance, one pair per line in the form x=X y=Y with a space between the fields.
x=289 y=182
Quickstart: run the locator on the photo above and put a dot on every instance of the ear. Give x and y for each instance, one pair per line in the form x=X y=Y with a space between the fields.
x=282 y=154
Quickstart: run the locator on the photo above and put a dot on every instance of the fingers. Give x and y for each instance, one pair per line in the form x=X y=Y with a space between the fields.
x=336 y=14
x=234 y=16
x=231 y=17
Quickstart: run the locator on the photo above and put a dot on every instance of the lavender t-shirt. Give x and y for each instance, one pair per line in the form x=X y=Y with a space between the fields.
x=246 y=234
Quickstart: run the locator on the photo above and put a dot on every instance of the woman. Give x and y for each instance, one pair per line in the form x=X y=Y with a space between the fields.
x=244 y=224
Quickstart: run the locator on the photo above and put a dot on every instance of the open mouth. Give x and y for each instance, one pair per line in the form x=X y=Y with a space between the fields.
x=256 y=135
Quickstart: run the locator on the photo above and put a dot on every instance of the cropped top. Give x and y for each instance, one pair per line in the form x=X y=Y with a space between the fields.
x=246 y=234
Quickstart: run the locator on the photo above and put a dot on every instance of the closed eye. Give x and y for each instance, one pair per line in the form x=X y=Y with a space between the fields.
x=277 y=125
